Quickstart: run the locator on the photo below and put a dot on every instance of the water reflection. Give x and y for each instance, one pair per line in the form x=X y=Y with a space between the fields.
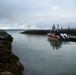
x=37 y=55
x=56 y=44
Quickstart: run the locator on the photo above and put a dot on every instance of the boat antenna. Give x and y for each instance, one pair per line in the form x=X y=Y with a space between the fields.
x=53 y=27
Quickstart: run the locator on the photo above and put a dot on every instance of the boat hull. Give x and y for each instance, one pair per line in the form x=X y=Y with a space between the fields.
x=53 y=37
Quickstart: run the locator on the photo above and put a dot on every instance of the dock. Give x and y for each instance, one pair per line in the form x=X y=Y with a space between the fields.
x=72 y=38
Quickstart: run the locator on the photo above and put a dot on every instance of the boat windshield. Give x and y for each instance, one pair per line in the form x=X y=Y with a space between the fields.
x=56 y=32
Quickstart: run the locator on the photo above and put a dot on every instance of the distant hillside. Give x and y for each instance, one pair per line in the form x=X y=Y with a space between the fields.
x=13 y=29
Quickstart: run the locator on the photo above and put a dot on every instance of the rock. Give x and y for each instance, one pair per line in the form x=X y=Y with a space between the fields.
x=14 y=58
x=9 y=38
x=9 y=63
x=6 y=73
x=5 y=36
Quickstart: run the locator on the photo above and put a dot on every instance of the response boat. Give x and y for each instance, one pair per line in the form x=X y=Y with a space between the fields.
x=55 y=34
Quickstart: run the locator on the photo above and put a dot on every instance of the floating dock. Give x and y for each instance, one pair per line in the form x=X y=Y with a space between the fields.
x=72 y=38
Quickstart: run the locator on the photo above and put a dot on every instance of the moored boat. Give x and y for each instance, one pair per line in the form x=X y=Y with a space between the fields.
x=55 y=34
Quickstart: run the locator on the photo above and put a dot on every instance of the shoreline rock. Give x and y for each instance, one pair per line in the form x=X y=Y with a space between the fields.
x=44 y=32
x=9 y=62
x=39 y=32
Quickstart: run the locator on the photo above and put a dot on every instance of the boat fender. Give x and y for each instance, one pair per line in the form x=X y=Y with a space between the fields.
x=65 y=35
x=62 y=35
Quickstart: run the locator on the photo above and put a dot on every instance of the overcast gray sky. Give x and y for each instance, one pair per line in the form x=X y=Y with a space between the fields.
x=37 y=13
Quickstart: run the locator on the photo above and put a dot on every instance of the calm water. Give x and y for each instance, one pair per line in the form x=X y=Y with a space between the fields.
x=43 y=57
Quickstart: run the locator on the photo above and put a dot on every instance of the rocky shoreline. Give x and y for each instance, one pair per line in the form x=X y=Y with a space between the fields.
x=38 y=32
x=9 y=62
x=44 y=32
